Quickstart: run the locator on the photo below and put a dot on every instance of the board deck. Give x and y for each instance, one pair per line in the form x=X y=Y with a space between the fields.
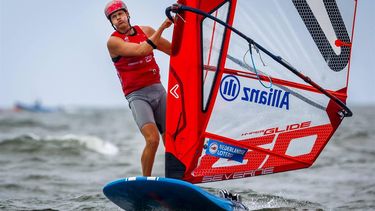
x=150 y=193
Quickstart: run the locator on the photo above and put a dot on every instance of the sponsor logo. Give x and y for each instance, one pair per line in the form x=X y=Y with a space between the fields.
x=223 y=150
x=230 y=89
x=148 y=58
x=238 y=175
x=287 y=128
x=213 y=148
x=275 y=130
x=273 y=97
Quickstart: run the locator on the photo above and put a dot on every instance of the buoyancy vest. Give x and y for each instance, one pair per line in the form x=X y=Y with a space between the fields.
x=139 y=71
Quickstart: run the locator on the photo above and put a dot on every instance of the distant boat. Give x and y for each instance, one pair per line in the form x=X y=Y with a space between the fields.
x=36 y=107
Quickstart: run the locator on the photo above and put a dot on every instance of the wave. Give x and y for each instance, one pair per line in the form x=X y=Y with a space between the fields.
x=70 y=143
x=356 y=134
x=9 y=123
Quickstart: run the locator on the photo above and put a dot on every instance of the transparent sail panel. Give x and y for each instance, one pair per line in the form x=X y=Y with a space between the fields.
x=212 y=35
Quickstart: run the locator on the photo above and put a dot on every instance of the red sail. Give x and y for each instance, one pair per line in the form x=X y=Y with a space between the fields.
x=235 y=112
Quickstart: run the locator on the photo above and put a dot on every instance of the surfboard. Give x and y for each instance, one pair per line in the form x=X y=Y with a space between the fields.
x=150 y=193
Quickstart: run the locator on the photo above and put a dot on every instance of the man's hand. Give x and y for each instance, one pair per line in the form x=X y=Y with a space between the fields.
x=166 y=24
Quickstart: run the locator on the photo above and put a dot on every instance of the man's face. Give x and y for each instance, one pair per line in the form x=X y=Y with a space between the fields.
x=120 y=19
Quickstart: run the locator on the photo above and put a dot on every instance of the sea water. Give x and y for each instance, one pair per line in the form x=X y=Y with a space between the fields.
x=61 y=161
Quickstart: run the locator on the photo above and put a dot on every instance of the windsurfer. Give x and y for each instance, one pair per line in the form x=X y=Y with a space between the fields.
x=131 y=49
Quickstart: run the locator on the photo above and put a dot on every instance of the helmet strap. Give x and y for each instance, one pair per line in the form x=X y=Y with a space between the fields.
x=131 y=27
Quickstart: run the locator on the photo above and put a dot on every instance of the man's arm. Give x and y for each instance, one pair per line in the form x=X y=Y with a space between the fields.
x=165 y=46
x=117 y=47
x=161 y=43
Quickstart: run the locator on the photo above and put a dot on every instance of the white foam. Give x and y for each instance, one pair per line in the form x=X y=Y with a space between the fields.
x=91 y=142
x=31 y=136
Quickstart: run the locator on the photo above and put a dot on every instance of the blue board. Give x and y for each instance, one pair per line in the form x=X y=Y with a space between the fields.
x=149 y=193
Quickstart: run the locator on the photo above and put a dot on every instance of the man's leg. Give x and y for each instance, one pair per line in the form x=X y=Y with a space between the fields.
x=151 y=135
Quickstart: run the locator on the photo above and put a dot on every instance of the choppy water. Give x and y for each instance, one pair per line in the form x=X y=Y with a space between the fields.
x=61 y=161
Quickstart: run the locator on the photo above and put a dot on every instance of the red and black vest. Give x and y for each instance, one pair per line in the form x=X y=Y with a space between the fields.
x=136 y=72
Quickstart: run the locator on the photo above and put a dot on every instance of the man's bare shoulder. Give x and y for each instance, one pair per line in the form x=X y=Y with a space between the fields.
x=148 y=30
x=113 y=41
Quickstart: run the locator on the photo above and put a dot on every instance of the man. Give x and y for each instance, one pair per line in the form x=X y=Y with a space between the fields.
x=131 y=49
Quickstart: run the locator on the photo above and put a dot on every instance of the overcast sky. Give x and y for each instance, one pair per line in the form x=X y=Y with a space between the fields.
x=56 y=51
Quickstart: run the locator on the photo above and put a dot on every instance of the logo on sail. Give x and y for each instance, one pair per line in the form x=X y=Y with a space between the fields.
x=230 y=89
x=213 y=148
x=224 y=150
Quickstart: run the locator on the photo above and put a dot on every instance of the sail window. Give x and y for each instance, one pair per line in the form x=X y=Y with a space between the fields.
x=212 y=41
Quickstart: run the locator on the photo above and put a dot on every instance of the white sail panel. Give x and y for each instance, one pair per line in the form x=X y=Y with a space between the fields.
x=254 y=114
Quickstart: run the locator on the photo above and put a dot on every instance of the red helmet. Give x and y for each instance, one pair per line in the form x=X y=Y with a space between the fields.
x=114 y=6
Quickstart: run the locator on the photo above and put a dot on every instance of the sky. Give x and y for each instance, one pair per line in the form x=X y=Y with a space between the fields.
x=55 y=51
